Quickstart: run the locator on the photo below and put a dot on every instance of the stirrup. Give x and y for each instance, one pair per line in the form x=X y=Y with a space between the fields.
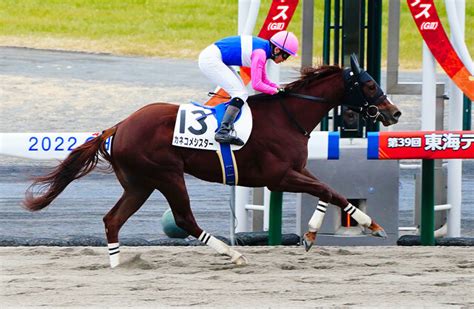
x=224 y=135
x=228 y=139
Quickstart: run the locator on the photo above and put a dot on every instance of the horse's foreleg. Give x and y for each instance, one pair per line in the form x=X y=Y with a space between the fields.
x=128 y=204
x=177 y=196
x=305 y=182
x=358 y=215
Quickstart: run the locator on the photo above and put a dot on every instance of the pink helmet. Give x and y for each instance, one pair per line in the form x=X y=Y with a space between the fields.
x=286 y=41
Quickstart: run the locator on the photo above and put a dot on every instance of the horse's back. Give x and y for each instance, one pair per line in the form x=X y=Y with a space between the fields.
x=144 y=132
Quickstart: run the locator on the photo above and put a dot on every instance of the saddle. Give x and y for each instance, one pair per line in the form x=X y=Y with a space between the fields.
x=196 y=125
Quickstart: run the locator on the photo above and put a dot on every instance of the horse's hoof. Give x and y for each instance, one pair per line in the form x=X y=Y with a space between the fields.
x=377 y=230
x=379 y=233
x=308 y=240
x=240 y=260
x=307 y=244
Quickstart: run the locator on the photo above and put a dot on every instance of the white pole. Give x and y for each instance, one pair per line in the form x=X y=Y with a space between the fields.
x=456 y=24
x=248 y=12
x=232 y=217
x=241 y=200
x=266 y=209
x=428 y=91
x=244 y=6
x=456 y=16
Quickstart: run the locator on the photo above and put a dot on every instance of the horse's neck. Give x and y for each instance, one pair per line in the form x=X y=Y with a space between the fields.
x=310 y=113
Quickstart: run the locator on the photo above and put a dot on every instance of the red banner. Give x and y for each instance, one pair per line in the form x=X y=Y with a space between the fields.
x=428 y=22
x=278 y=19
x=422 y=145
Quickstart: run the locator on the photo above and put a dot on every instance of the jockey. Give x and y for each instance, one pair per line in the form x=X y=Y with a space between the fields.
x=248 y=51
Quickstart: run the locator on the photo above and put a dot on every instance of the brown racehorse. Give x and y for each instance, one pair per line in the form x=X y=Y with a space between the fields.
x=275 y=155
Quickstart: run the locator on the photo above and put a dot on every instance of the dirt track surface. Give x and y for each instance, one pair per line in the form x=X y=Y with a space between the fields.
x=276 y=277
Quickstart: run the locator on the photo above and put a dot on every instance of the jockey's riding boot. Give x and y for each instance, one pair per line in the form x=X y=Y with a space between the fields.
x=223 y=134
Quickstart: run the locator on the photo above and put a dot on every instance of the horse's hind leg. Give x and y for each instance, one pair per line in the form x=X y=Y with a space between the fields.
x=131 y=200
x=174 y=189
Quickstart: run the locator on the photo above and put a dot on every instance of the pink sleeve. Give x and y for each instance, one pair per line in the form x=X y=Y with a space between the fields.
x=267 y=81
x=258 y=74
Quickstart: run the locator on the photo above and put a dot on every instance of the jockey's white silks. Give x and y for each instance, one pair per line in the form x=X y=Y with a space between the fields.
x=210 y=63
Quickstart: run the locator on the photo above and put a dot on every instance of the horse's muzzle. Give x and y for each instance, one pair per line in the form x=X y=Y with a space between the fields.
x=390 y=116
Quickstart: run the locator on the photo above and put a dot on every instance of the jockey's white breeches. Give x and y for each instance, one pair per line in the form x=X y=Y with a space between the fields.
x=210 y=63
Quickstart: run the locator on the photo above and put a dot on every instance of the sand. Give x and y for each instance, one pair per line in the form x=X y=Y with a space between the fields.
x=276 y=277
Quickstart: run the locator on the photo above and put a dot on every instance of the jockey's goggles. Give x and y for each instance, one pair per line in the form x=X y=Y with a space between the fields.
x=284 y=55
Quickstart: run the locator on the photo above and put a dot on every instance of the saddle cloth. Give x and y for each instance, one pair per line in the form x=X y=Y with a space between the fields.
x=196 y=126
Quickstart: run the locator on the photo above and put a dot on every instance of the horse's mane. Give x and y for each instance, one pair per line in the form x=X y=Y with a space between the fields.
x=309 y=74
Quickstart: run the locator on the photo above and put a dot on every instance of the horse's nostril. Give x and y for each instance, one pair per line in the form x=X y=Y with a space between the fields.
x=397 y=115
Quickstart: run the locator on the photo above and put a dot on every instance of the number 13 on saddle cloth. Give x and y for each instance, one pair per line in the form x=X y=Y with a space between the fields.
x=196 y=125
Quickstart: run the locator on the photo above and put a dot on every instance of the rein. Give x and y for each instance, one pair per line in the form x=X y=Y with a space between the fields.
x=306 y=97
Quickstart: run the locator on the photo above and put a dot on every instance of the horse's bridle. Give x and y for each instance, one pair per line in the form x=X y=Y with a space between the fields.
x=354 y=98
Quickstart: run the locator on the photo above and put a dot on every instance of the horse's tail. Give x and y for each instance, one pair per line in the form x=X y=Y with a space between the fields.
x=80 y=162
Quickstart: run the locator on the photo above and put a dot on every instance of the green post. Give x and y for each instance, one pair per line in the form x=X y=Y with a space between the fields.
x=326 y=31
x=374 y=41
x=274 y=229
x=427 y=202
x=374 y=47
x=466 y=124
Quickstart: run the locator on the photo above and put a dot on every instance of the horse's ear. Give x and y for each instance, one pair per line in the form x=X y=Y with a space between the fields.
x=355 y=64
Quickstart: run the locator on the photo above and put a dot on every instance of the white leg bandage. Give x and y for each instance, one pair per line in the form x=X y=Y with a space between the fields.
x=222 y=248
x=317 y=219
x=214 y=243
x=358 y=215
x=114 y=254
